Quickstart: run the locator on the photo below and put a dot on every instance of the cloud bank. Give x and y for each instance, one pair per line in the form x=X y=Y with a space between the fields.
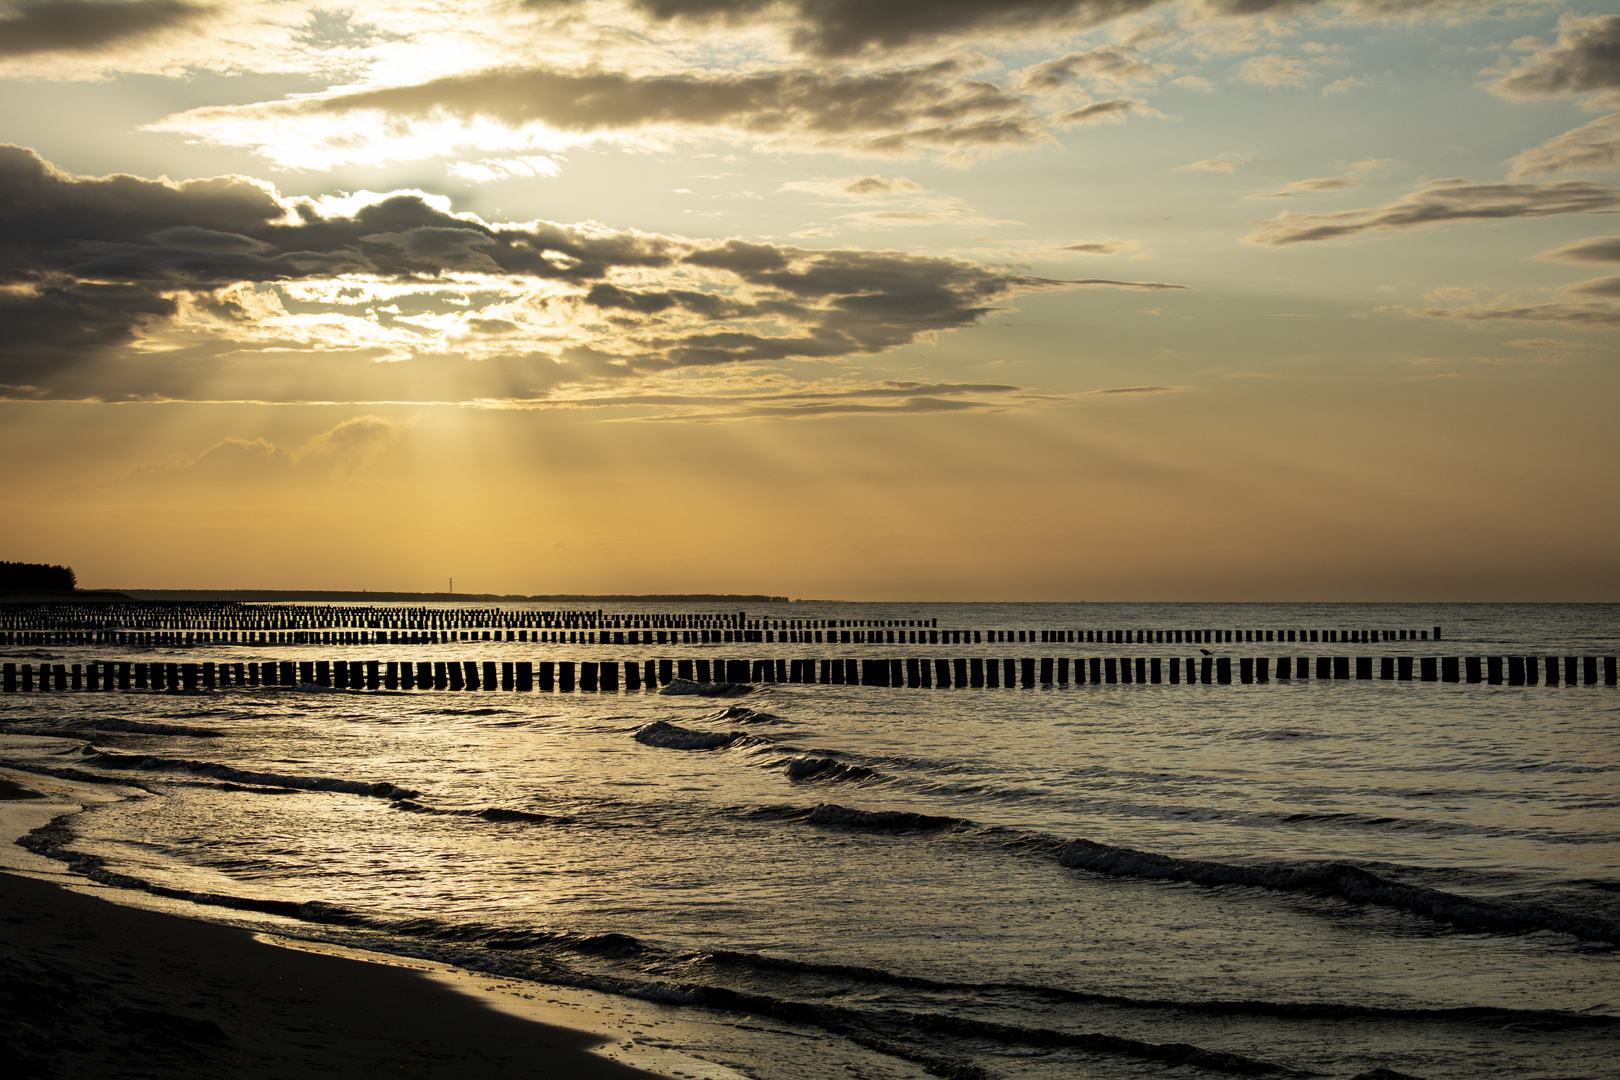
x=28 y=27
x=124 y=288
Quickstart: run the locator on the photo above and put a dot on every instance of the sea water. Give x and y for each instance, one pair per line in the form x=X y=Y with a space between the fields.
x=1057 y=881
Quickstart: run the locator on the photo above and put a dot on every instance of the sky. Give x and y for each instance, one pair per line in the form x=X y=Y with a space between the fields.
x=1101 y=300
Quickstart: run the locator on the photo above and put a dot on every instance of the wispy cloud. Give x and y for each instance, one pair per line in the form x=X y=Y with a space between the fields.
x=1308 y=187
x=1440 y=202
x=1598 y=315
x=1595 y=145
x=1225 y=163
x=1598 y=249
x=1103 y=112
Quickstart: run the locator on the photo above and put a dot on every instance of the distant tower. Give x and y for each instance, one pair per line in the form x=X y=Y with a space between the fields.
x=452 y=586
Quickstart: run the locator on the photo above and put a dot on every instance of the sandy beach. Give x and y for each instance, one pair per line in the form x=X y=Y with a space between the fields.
x=94 y=988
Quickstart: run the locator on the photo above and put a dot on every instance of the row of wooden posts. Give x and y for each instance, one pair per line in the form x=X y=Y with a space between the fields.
x=701 y=636
x=965 y=672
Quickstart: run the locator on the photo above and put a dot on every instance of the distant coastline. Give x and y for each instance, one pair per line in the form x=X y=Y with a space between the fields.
x=353 y=596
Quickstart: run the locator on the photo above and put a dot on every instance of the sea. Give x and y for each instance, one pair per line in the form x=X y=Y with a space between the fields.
x=1298 y=877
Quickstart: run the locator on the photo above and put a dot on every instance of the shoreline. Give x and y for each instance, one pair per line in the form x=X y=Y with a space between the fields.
x=92 y=986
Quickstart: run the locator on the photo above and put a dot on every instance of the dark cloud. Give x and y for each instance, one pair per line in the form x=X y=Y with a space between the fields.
x=1585 y=59
x=843 y=28
x=1101 y=247
x=1594 y=145
x=1598 y=249
x=847 y=28
x=902 y=111
x=1439 y=202
x=44 y=26
x=88 y=264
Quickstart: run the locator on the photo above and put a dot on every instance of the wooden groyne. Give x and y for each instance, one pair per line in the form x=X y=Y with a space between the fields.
x=684 y=630
x=914 y=673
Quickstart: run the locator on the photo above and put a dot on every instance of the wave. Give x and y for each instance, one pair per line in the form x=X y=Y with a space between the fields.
x=113 y=726
x=885 y=1030
x=941 y=1040
x=1297 y=1010
x=102 y=758
x=724 y=689
x=741 y=714
x=1341 y=879
x=664 y=734
x=141 y=727
x=805 y=767
x=488 y=813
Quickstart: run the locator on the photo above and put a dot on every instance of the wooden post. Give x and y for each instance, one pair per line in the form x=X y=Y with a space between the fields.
x=1245 y=670
x=565 y=676
x=609 y=676
x=1589 y=670
x=1175 y=670
x=913 y=673
x=588 y=676
x=1026 y=672
x=1110 y=670
x=1223 y=670
x=976 y=672
x=1430 y=669
x=523 y=679
x=548 y=676
x=1450 y=669
x=632 y=676
x=1262 y=669
x=1386 y=668
x=1516 y=672
x=1048 y=675
x=1364 y=667
x=1493 y=670
x=1206 y=670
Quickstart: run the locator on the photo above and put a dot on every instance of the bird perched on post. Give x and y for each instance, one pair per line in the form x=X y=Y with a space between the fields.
x=1206 y=652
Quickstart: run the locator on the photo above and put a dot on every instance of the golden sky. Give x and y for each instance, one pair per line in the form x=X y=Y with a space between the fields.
x=1037 y=300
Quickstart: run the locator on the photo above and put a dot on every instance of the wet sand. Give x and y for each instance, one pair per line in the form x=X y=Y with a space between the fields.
x=90 y=988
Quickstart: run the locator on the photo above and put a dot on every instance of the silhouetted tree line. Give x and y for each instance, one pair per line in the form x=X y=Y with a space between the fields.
x=36 y=577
